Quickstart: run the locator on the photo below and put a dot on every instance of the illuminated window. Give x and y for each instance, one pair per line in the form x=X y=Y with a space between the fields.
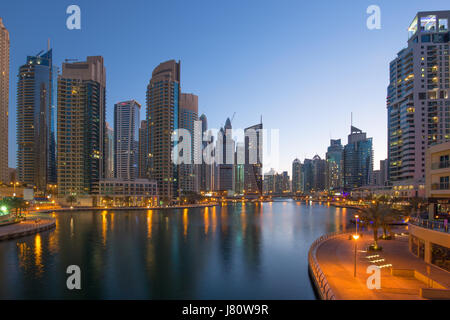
x=443 y=25
x=428 y=23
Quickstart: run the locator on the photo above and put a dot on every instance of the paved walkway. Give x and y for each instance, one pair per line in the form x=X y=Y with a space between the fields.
x=25 y=228
x=336 y=259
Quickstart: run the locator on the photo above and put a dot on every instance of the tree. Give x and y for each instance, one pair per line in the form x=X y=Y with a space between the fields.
x=379 y=215
x=71 y=199
x=415 y=204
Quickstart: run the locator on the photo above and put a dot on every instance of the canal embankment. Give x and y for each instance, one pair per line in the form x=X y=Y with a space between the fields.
x=25 y=228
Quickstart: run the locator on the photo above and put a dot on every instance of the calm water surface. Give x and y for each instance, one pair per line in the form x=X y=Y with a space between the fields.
x=238 y=251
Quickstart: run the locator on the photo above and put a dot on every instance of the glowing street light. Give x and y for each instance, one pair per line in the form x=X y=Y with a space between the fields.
x=355 y=237
x=356 y=223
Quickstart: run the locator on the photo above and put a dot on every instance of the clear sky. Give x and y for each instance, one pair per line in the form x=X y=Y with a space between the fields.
x=303 y=65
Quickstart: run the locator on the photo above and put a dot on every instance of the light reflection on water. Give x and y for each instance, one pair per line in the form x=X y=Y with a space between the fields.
x=237 y=251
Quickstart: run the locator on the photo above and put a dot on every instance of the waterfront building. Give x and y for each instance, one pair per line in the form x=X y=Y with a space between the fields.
x=81 y=126
x=142 y=152
x=206 y=175
x=282 y=183
x=109 y=152
x=269 y=182
x=126 y=135
x=163 y=94
x=253 y=159
x=128 y=193
x=307 y=176
x=188 y=172
x=4 y=101
x=239 y=170
x=418 y=105
x=296 y=176
x=334 y=158
x=358 y=159
x=225 y=147
x=35 y=130
x=319 y=173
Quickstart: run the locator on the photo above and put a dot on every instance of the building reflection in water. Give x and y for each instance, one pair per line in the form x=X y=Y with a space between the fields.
x=38 y=254
x=206 y=220
x=185 y=222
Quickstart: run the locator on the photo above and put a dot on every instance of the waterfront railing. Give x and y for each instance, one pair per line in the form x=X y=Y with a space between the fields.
x=430 y=224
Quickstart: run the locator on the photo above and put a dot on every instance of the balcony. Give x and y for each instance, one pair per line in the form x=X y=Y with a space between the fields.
x=440 y=186
x=440 y=165
x=430 y=224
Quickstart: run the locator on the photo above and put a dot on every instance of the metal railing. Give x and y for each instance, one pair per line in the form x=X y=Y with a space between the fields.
x=432 y=225
x=440 y=165
x=440 y=186
x=319 y=278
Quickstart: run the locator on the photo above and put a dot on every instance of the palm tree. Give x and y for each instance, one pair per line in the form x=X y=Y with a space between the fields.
x=379 y=215
x=71 y=199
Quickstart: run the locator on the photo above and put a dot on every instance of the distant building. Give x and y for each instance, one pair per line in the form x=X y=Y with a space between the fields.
x=109 y=152
x=282 y=183
x=81 y=126
x=296 y=176
x=188 y=181
x=35 y=132
x=239 y=170
x=307 y=176
x=206 y=171
x=225 y=147
x=253 y=159
x=269 y=182
x=143 y=149
x=319 y=173
x=126 y=135
x=334 y=158
x=358 y=160
x=4 y=101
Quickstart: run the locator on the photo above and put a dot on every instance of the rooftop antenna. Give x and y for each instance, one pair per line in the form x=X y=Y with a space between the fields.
x=351 y=119
x=48 y=44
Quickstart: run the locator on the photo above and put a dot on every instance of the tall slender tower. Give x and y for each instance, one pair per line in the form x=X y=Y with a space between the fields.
x=188 y=115
x=126 y=135
x=35 y=154
x=253 y=159
x=4 y=99
x=163 y=94
x=109 y=152
x=418 y=103
x=81 y=126
x=143 y=147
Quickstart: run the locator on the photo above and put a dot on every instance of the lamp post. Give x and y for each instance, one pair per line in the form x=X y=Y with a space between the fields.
x=356 y=237
x=356 y=223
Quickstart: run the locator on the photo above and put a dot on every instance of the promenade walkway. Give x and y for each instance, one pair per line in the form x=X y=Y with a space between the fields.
x=25 y=228
x=336 y=259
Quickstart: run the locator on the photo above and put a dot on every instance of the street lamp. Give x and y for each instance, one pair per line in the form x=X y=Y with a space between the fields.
x=355 y=237
x=356 y=223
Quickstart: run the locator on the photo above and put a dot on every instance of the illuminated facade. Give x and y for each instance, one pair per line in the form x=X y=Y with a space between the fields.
x=253 y=159
x=126 y=135
x=4 y=101
x=163 y=94
x=81 y=126
x=334 y=158
x=296 y=176
x=418 y=101
x=35 y=129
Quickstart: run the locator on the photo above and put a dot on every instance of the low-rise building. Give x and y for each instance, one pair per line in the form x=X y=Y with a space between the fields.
x=133 y=193
x=437 y=179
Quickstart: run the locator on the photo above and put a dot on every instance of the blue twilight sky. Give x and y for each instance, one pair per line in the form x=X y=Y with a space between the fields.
x=303 y=65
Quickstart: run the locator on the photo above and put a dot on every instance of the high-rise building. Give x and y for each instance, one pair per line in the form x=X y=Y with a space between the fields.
x=238 y=173
x=187 y=172
x=253 y=159
x=269 y=182
x=206 y=171
x=163 y=94
x=4 y=101
x=225 y=147
x=418 y=103
x=81 y=126
x=296 y=176
x=358 y=160
x=109 y=152
x=126 y=135
x=334 y=159
x=307 y=176
x=35 y=130
x=142 y=152
x=319 y=173
x=282 y=183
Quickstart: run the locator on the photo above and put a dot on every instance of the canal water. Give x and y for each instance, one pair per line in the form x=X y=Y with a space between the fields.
x=236 y=251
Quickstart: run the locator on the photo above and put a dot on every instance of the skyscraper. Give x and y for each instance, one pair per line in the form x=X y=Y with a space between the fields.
x=334 y=168
x=307 y=176
x=4 y=101
x=296 y=176
x=163 y=94
x=126 y=135
x=206 y=171
x=188 y=181
x=225 y=147
x=418 y=104
x=109 y=152
x=358 y=160
x=143 y=147
x=319 y=173
x=35 y=136
x=253 y=159
x=81 y=126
